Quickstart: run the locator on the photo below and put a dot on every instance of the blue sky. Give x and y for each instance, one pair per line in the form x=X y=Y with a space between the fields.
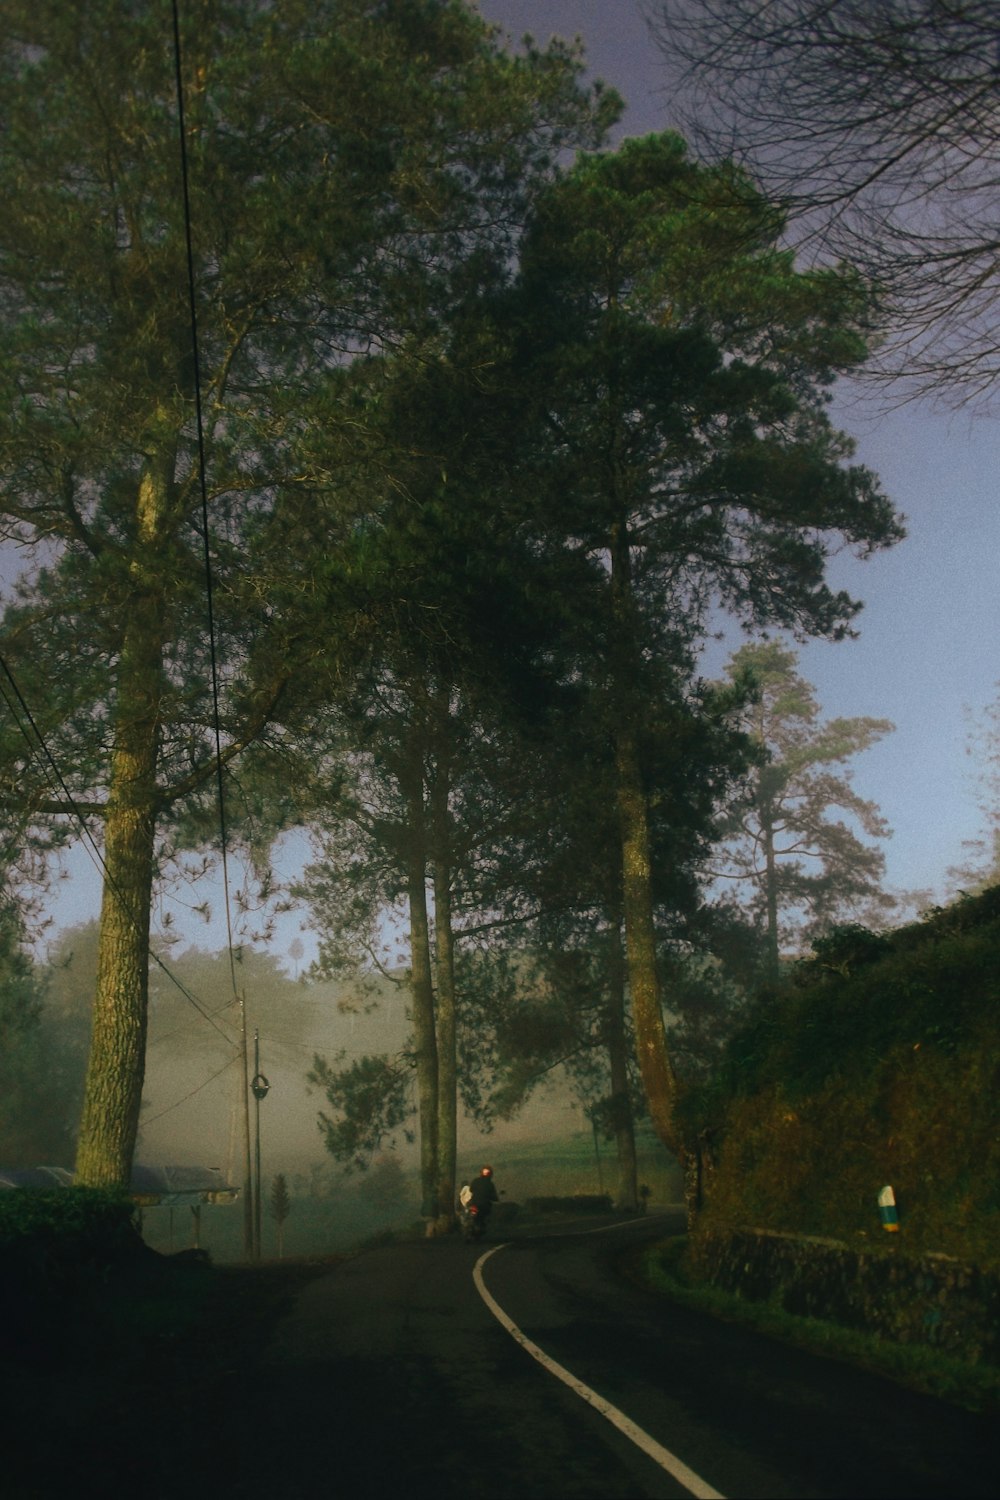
x=926 y=657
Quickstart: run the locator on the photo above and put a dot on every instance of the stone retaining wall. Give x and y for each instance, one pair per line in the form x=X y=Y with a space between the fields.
x=931 y=1299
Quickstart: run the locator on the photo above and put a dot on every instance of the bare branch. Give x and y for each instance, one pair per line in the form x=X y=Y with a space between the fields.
x=878 y=128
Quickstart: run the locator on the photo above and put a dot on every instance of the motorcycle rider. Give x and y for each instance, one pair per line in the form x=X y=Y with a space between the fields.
x=483 y=1193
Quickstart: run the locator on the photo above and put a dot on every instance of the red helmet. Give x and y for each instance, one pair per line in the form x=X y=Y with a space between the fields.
x=486 y=1172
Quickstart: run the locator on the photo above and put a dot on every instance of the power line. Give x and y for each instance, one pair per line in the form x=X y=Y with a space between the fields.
x=193 y=308
x=54 y=777
x=200 y=425
x=178 y=1102
x=165 y=1036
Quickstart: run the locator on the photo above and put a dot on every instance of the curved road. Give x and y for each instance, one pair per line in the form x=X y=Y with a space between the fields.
x=392 y=1374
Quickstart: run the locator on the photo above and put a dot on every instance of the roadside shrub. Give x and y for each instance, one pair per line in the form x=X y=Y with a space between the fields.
x=51 y=1242
x=878 y=1064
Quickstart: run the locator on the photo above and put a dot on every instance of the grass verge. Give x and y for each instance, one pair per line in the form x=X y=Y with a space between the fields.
x=662 y=1268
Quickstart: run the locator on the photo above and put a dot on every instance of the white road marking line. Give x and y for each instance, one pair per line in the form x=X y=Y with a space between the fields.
x=674 y=1466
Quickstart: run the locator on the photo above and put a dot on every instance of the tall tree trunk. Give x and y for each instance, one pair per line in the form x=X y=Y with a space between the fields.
x=622 y=1118
x=655 y=1065
x=444 y=948
x=652 y=1051
x=116 y=1068
x=422 y=988
x=447 y=1065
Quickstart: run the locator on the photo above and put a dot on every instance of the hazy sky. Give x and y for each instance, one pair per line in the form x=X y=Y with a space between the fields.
x=926 y=657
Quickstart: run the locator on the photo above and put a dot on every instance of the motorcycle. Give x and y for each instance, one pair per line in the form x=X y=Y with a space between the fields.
x=471 y=1218
x=473 y=1222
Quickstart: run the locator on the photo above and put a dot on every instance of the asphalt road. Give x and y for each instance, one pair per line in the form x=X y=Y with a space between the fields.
x=391 y=1376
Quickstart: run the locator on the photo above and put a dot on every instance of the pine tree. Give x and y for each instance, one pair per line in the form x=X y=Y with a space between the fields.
x=807 y=869
x=280 y=1207
x=678 y=364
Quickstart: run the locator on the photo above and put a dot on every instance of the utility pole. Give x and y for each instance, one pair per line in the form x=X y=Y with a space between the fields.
x=260 y=1088
x=248 y=1213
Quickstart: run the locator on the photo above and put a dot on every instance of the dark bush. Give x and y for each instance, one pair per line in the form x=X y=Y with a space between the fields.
x=54 y=1247
x=877 y=1063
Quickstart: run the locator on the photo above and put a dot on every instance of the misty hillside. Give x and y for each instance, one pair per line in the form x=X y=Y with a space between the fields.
x=191 y=1102
x=193 y=1112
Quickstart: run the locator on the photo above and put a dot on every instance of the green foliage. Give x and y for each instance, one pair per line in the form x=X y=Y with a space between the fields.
x=705 y=1007
x=571 y=1165
x=674 y=363
x=879 y=1062
x=655 y=297
x=514 y=1029
x=665 y=1269
x=45 y=1031
x=346 y=163
x=20 y=989
x=386 y=560
x=72 y=1221
x=372 y=1098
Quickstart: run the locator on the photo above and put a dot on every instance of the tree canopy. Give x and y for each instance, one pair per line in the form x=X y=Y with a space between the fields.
x=183 y=310
x=678 y=364
x=373 y=458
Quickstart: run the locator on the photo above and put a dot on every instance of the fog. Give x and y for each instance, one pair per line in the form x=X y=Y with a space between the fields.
x=193 y=1104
